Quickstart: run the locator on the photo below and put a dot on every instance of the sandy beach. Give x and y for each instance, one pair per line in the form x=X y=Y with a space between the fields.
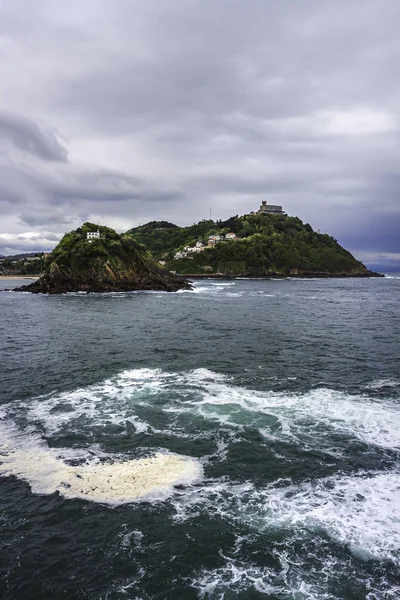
x=6 y=277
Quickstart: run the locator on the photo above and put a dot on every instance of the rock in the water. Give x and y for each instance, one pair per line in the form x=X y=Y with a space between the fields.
x=94 y=258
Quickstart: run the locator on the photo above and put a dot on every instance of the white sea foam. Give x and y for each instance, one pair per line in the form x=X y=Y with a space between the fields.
x=223 y=284
x=130 y=538
x=116 y=481
x=292 y=582
x=108 y=401
x=383 y=383
x=298 y=416
x=240 y=576
x=214 y=289
x=235 y=576
x=310 y=418
x=360 y=512
x=219 y=290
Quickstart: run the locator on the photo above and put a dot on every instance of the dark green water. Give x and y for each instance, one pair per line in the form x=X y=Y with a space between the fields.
x=287 y=393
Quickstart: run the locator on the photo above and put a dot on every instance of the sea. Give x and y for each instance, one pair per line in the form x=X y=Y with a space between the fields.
x=237 y=441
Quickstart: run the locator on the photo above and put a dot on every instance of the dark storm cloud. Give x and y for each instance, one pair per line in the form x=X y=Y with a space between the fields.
x=104 y=186
x=39 y=217
x=170 y=107
x=29 y=137
x=46 y=199
x=377 y=233
x=208 y=60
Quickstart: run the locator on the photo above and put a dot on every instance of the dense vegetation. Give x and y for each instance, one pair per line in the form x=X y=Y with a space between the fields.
x=74 y=251
x=163 y=239
x=112 y=262
x=268 y=244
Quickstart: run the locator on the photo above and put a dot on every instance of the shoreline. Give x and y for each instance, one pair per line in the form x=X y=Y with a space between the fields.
x=11 y=277
x=283 y=276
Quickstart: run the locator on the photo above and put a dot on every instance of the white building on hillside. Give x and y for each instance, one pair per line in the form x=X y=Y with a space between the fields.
x=214 y=239
x=93 y=235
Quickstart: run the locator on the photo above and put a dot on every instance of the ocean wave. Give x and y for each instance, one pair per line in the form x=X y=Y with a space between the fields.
x=379 y=384
x=359 y=512
x=310 y=418
x=235 y=576
x=195 y=290
x=223 y=284
x=226 y=289
x=115 y=294
x=292 y=579
x=298 y=416
x=356 y=512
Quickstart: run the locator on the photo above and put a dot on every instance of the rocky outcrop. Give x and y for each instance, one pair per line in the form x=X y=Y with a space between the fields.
x=111 y=263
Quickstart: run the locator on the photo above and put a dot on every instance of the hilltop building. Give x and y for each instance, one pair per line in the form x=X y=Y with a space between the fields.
x=266 y=209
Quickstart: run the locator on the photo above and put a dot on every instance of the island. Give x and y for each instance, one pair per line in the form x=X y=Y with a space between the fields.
x=265 y=243
x=95 y=258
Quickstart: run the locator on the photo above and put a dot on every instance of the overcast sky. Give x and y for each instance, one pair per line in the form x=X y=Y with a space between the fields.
x=126 y=111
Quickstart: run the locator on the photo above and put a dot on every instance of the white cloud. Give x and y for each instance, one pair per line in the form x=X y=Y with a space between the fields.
x=359 y=121
x=351 y=122
x=29 y=241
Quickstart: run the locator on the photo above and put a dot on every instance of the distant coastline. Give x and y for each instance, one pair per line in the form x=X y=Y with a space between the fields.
x=368 y=275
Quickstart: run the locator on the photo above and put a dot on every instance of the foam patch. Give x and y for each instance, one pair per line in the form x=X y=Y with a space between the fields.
x=112 y=482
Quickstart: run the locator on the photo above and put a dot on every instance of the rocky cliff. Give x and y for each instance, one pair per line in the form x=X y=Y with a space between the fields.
x=103 y=261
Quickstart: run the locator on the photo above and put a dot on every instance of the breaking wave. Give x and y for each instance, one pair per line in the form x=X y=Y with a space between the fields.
x=357 y=512
x=311 y=418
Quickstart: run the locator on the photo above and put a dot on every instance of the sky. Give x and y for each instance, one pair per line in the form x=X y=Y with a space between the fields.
x=129 y=111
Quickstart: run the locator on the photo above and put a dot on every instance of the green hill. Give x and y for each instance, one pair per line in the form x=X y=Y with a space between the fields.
x=163 y=239
x=108 y=262
x=270 y=244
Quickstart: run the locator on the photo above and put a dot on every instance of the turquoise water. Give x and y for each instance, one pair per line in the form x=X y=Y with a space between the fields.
x=282 y=394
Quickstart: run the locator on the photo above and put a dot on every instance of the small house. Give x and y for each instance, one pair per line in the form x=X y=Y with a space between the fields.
x=93 y=235
x=214 y=239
